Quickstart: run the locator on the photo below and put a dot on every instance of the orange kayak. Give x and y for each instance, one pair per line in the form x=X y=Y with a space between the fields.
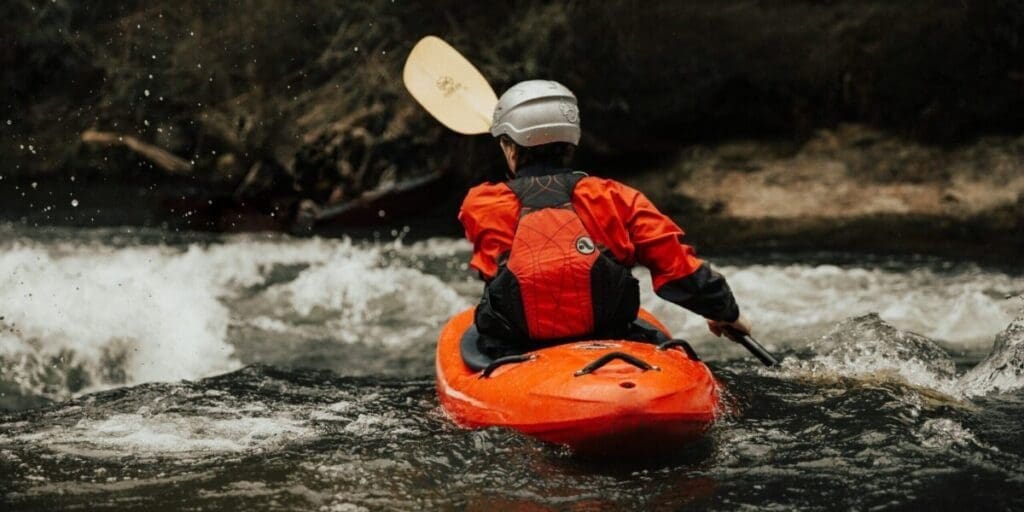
x=600 y=396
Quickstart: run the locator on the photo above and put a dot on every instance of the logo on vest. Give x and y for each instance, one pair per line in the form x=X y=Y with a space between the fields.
x=584 y=245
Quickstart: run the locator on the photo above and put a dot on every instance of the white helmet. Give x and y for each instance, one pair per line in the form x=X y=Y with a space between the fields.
x=537 y=112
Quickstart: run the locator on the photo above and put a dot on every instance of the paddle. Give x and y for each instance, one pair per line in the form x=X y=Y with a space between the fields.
x=452 y=90
x=449 y=87
x=752 y=345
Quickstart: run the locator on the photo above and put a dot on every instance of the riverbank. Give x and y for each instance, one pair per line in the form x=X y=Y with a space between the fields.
x=850 y=188
x=232 y=117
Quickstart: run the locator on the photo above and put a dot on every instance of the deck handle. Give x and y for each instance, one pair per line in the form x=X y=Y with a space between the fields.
x=501 y=361
x=611 y=356
x=683 y=344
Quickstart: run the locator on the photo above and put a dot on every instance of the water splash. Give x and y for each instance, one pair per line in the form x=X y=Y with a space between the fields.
x=103 y=317
x=1003 y=370
x=867 y=347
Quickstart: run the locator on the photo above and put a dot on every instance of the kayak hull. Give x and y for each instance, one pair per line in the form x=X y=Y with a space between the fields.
x=618 y=408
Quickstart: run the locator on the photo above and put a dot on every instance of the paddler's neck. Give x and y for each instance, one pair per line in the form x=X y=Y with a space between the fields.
x=540 y=169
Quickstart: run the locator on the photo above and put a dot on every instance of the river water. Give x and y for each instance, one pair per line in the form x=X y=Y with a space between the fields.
x=145 y=370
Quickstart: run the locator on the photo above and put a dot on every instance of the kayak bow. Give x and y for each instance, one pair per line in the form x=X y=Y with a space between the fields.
x=600 y=396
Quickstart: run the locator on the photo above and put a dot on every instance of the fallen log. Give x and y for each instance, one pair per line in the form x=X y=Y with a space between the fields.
x=369 y=198
x=160 y=157
x=371 y=207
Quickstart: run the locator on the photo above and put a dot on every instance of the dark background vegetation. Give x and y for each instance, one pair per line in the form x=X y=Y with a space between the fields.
x=274 y=101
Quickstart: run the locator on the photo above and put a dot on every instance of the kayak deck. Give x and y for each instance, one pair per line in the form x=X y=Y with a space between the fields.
x=607 y=396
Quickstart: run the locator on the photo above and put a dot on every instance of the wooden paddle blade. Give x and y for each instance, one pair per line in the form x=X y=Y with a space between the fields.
x=449 y=87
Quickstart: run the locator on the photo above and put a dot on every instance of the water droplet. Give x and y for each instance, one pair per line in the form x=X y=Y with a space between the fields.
x=34 y=185
x=8 y=122
x=355 y=49
x=74 y=203
x=146 y=92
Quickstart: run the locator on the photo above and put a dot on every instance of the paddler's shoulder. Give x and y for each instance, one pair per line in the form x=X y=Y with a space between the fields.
x=594 y=187
x=488 y=195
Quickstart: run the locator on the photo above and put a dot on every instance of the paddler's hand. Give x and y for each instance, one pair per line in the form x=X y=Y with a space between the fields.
x=741 y=324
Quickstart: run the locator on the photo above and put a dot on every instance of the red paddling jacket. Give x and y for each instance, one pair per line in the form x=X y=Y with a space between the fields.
x=555 y=248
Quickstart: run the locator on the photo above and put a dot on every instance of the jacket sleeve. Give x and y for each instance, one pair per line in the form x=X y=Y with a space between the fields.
x=678 y=275
x=488 y=215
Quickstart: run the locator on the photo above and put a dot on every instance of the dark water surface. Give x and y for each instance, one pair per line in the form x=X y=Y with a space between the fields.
x=262 y=372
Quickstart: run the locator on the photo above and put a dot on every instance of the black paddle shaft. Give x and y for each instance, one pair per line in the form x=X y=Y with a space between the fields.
x=752 y=345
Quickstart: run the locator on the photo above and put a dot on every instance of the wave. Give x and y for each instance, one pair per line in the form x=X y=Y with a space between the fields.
x=88 y=310
x=82 y=317
x=869 y=349
x=792 y=304
x=99 y=317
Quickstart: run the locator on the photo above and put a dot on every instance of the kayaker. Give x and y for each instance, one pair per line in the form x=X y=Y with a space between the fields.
x=555 y=246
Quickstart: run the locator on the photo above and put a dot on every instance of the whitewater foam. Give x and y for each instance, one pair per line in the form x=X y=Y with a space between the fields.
x=362 y=299
x=963 y=306
x=81 y=317
x=115 y=316
x=169 y=434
